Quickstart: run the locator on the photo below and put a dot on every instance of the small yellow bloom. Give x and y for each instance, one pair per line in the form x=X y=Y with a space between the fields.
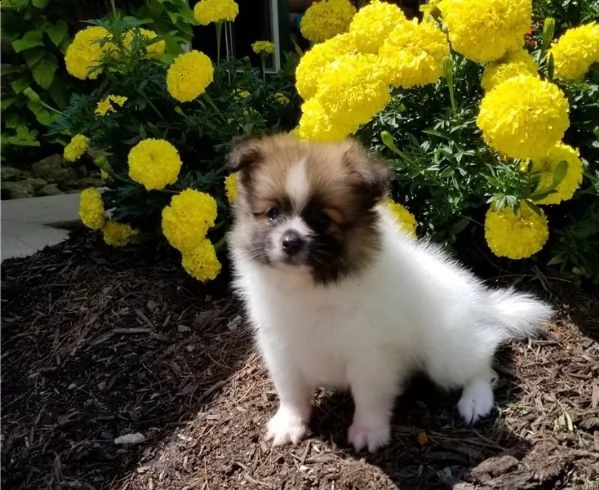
x=484 y=30
x=515 y=234
x=189 y=75
x=154 y=163
x=575 y=51
x=91 y=208
x=188 y=218
x=316 y=124
x=325 y=19
x=316 y=60
x=207 y=11
x=373 y=23
x=201 y=263
x=263 y=47
x=155 y=50
x=84 y=55
x=76 y=148
x=523 y=117
x=546 y=165
x=413 y=54
x=108 y=103
x=231 y=187
x=117 y=234
x=406 y=220
x=517 y=62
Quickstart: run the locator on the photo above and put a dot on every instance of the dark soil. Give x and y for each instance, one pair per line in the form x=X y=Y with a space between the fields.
x=99 y=343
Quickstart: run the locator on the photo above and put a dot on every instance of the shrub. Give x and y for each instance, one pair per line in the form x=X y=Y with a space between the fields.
x=509 y=169
x=158 y=122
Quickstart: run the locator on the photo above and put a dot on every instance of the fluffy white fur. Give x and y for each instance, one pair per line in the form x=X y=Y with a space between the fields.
x=413 y=308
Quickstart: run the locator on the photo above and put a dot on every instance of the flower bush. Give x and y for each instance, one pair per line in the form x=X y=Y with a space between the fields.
x=157 y=119
x=488 y=117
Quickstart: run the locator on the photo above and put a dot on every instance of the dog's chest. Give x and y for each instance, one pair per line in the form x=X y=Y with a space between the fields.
x=318 y=336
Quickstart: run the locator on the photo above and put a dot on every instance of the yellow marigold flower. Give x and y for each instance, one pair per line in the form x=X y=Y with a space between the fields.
x=155 y=50
x=281 y=98
x=263 y=47
x=325 y=19
x=316 y=125
x=515 y=234
x=373 y=23
x=231 y=187
x=117 y=234
x=84 y=54
x=91 y=208
x=76 y=148
x=406 y=220
x=201 y=263
x=484 y=30
x=517 y=62
x=188 y=218
x=208 y=11
x=523 y=117
x=108 y=103
x=546 y=166
x=189 y=75
x=575 y=51
x=154 y=163
x=353 y=89
x=314 y=62
x=413 y=54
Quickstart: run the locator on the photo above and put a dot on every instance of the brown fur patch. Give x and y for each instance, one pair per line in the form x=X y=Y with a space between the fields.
x=344 y=182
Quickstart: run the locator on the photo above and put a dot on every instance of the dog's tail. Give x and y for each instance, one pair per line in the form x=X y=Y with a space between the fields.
x=520 y=314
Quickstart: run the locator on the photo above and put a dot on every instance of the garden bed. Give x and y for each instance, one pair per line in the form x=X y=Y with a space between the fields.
x=99 y=343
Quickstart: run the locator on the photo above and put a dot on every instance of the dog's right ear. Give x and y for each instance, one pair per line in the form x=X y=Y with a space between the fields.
x=245 y=153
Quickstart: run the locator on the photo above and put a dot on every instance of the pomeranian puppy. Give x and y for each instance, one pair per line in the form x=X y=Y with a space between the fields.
x=340 y=296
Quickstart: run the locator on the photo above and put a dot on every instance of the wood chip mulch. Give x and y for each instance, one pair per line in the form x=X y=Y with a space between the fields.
x=119 y=371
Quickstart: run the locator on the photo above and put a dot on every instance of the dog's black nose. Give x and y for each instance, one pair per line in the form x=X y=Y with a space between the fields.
x=292 y=242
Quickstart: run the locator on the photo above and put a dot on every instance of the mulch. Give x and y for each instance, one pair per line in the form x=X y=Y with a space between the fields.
x=99 y=343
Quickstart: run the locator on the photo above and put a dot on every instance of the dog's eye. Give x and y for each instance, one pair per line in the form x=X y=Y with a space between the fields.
x=322 y=221
x=273 y=213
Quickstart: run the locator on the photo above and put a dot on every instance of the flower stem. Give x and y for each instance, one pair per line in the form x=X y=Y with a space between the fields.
x=263 y=65
x=219 y=30
x=213 y=105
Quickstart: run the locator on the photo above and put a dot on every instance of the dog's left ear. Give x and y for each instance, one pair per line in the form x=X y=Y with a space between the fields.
x=373 y=174
x=245 y=153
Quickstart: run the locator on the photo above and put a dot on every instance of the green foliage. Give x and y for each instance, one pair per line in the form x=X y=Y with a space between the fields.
x=34 y=85
x=567 y=13
x=238 y=101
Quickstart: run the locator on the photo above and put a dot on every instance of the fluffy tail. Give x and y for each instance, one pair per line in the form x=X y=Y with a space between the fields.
x=520 y=314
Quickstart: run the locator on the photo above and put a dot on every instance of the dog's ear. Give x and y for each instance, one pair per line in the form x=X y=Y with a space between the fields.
x=244 y=153
x=373 y=175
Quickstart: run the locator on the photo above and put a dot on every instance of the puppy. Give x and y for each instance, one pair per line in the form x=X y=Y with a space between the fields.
x=340 y=296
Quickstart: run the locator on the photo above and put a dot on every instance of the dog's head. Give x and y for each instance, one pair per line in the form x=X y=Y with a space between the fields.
x=307 y=207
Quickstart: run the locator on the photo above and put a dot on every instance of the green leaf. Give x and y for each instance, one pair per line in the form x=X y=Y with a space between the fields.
x=559 y=173
x=40 y=4
x=387 y=139
x=7 y=102
x=33 y=56
x=31 y=39
x=44 y=71
x=57 y=32
x=19 y=85
x=24 y=137
x=58 y=93
x=14 y=4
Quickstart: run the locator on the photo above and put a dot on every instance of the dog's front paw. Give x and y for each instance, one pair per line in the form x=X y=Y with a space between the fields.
x=286 y=427
x=371 y=437
x=476 y=401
